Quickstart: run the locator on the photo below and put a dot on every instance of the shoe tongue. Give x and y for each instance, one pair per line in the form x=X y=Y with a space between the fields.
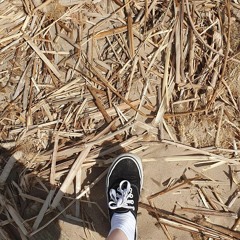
x=121 y=210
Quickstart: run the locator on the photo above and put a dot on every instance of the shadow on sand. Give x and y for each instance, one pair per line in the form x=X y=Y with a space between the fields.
x=24 y=193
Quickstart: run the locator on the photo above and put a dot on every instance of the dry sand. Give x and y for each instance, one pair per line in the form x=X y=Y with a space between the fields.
x=157 y=173
x=157 y=76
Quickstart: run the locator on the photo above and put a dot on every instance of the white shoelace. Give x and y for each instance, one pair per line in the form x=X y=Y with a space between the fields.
x=121 y=197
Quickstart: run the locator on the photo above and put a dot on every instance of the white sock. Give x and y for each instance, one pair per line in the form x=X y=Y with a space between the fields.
x=125 y=222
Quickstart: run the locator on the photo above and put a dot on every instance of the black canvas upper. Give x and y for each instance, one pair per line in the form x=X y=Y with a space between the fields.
x=126 y=168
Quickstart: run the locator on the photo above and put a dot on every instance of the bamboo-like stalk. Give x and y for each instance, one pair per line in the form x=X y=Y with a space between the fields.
x=204 y=227
x=72 y=202
x=44 y=58
x=43 y=210
x=208 y=212
x=131 y=74
x=9 y=166
x=14 y=214
x=71 y=175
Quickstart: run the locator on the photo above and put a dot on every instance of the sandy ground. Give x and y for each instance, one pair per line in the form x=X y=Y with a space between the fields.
x=157 y=173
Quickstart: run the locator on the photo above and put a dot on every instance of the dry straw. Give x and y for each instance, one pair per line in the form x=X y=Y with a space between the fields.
x=81 y=83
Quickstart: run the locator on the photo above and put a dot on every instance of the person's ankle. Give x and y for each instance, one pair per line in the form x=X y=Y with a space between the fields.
x=126 y=222
x=117 y=234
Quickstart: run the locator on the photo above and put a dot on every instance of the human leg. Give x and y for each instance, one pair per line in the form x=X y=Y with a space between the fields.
x=117 y=234
x=123 y=184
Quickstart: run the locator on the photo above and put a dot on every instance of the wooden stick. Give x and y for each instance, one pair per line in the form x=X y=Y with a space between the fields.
x=42 y=6
x=9 y=166
x=228 y=5
x=102 y=110
x=130 y=31
x=208 y=212
x=71 y=175
x=199 y=36
x=223 y=230
x=44 y=58
x=178 y=42
x=78 y=184
x=113 y=31
x=54 y=159
x=111 y=135
x=212 y=204
x=14 y=214
x=113 y=89
x=203 y=227
x=170 y=189
x=219 y=127
x=217 y=157
x=112 y=111
x=72 y=202
x=43 y=210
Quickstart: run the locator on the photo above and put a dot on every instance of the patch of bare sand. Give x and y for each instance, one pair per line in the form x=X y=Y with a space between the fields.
x=158 y=173
x=148 y=75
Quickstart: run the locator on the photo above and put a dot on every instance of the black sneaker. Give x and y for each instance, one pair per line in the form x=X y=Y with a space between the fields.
x=123 y=184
